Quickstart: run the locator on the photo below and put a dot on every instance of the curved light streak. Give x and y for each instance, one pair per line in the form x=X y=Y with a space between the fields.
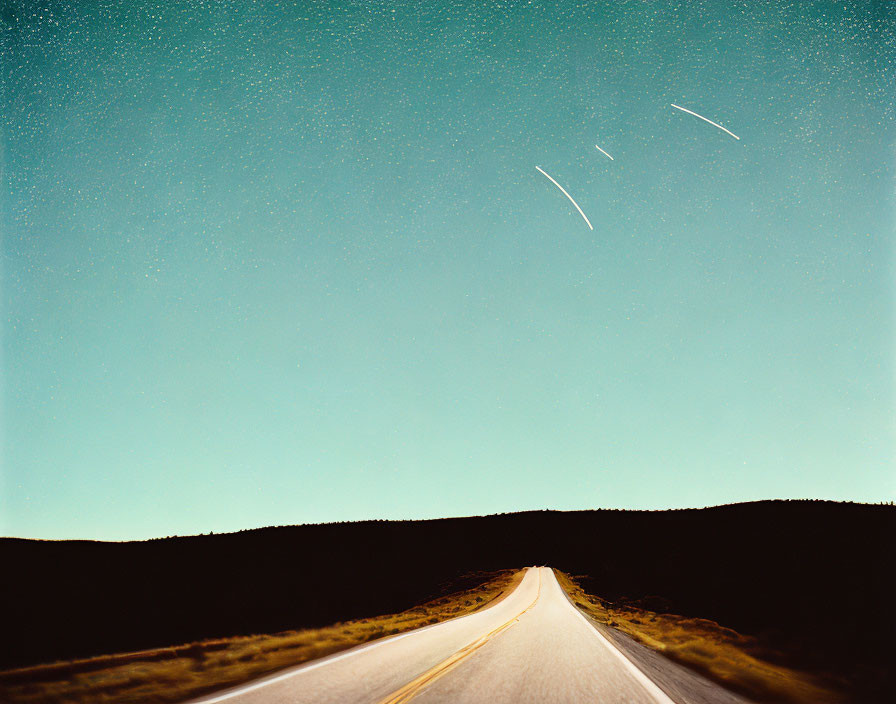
x=567 y=195
x=603 y=152
x=714 y=124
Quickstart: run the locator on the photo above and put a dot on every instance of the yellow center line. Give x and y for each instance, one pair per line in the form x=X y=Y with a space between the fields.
x=412 y=688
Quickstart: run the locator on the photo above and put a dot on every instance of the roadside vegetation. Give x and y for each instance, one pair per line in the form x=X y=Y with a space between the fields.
x=167 y=675
x=739 y=663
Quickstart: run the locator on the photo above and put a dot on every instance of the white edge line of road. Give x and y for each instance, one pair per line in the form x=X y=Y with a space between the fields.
x=652 y=688
x=307 y=667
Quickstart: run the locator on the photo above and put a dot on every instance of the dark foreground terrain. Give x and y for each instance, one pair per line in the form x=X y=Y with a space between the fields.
x=814 y=582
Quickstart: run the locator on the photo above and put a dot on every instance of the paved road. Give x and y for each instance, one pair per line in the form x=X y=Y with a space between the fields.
x=533 y=646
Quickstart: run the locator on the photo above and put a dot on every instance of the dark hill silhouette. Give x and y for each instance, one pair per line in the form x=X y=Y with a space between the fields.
x=815 y=580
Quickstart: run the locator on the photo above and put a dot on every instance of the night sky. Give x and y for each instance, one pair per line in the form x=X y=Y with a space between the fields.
x=270 y=263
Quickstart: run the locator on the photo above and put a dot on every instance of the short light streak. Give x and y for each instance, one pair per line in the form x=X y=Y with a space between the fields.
x=714 y=124
x=603 y=152
x=567 y=195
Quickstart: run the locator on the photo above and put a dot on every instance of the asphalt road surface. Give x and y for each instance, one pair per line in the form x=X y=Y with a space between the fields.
x=533 y=646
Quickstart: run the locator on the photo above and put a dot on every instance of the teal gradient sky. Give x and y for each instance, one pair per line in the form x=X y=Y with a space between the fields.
x=270 y=263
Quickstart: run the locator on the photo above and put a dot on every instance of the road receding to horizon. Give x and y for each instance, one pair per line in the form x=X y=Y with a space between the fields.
x=533 y=646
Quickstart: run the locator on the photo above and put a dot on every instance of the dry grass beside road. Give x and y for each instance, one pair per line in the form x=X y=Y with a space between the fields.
x=178 y=673
x=735 y=661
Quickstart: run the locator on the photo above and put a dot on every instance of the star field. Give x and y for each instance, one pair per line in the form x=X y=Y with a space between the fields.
x=270 y=262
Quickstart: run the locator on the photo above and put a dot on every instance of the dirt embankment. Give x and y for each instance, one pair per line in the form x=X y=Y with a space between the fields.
x=170 y=675
x=737 y=662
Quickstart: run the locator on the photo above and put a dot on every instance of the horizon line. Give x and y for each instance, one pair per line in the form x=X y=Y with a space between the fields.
x=885 y=502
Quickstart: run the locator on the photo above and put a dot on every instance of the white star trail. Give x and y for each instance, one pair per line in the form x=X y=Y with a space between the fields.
x=714 y=124
x=603 y=152
x=567 y=195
